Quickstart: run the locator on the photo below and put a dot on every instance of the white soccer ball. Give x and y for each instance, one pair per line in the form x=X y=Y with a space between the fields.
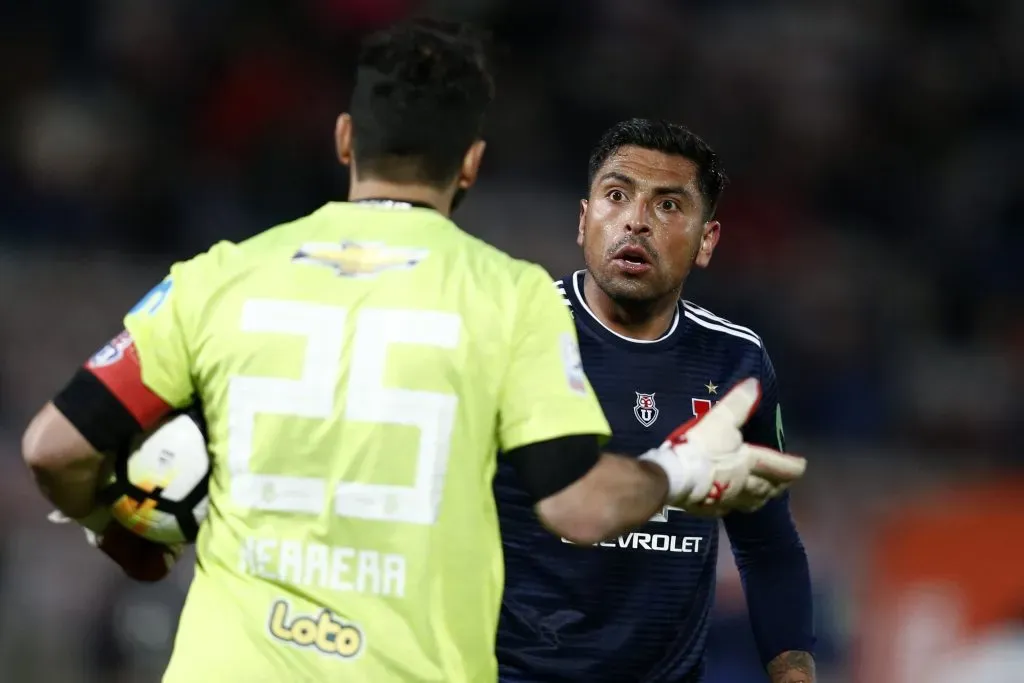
x=159 y=488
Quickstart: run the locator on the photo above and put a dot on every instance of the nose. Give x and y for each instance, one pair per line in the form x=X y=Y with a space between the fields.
x=638 y=222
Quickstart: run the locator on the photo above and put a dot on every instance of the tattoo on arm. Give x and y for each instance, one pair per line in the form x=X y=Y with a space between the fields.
x=792 y=667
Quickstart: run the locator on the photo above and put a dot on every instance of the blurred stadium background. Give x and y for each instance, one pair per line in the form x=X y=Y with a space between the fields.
x=872 y=234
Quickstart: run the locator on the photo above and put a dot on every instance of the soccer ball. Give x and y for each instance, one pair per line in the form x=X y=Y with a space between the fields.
x=158 y=488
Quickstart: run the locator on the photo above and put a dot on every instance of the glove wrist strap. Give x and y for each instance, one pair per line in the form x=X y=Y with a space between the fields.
x=679 y=474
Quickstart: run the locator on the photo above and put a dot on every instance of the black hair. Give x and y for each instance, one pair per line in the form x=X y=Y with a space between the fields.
x=422 y=90
x=670 y=138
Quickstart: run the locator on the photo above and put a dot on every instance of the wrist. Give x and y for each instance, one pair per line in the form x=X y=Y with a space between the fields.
x=678 y=473
x=96 y=521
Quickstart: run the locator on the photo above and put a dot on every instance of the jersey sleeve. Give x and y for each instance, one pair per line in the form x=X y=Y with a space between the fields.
x=160 y=339
x=136 y=379
x=765 y=427
x=546 y=394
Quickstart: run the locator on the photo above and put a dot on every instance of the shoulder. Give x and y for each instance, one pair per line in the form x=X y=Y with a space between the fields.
x=497 y=260
x=720 y=329
x=202 y=279
x=501 y=273
x=741 y=345
x=225 y=259
x=201 y=268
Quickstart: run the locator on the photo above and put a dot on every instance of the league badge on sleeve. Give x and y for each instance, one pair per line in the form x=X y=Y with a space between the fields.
x=112 y=352
x=153 y=299
x=572 y=363
x=646 y=410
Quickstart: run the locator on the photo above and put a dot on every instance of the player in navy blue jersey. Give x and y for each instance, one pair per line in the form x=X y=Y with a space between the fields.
x=637 y=609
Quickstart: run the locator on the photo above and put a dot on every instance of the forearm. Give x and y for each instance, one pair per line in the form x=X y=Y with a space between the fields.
x=776 y=579
x=792 y=667
x=65 y=466
x=633 y=492
x=779 y=600
x=616 y=495
x=72 y=490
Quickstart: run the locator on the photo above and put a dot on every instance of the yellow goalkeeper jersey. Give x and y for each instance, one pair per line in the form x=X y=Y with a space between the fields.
x=359 y=368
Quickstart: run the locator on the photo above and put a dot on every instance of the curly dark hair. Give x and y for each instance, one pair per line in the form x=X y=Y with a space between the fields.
x=422 y=91
x=670 y=138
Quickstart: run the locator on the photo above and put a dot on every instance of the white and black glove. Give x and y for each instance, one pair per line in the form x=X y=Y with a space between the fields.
x=712 y=471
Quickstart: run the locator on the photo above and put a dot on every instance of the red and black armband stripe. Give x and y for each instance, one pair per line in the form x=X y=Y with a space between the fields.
x=107 y=401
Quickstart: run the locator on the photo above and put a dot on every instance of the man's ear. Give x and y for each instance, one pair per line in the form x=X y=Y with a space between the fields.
x=708 y=241
x=471 y=164
x=582 y=223
x=343 y=139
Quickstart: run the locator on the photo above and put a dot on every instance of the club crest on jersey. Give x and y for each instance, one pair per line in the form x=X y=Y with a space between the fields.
x=646 y=410
x=359 y=259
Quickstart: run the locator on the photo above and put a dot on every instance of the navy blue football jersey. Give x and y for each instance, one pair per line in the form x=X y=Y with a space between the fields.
x=635 y=608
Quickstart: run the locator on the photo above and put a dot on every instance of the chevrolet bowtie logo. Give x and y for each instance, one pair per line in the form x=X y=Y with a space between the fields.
x=359 y=259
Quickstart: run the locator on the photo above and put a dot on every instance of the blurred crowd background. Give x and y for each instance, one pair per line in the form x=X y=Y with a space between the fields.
x=872 y=235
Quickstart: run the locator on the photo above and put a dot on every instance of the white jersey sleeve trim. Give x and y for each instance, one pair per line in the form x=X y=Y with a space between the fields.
x=691 y=307
x=713 y=322
x=560 y=286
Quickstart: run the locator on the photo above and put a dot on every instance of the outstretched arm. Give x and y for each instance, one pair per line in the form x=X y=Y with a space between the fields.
x=588 y=498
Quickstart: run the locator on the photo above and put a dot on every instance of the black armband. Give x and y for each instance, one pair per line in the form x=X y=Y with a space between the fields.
x=547 y=467
x=96 y=413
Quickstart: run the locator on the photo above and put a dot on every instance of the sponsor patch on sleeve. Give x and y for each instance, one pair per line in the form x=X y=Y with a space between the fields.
x=573 y=364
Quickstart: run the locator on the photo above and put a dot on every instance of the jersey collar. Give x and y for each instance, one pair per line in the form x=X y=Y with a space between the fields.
x=398 y=204
x=593 y=323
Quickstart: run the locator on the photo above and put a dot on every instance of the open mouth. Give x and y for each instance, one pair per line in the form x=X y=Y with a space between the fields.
x=633 y=255
x=632 y=260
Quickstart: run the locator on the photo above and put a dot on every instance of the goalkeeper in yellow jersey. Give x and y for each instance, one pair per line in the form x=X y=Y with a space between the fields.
x=359 y=369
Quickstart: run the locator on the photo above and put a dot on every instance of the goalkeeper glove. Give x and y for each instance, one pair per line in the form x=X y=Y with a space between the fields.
x=712 y=471
x=141 y=559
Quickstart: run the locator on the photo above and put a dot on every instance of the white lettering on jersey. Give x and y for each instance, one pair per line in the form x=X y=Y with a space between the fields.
x=663 y=515
x=662 y=543
x=316 y=565
x=370 y=399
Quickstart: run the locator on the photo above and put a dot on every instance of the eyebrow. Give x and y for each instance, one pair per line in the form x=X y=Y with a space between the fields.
x=622 y=178
x=674 y=189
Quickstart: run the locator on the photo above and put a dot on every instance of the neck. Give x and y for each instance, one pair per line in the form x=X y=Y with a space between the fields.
x=644 y=320
x=441 y=200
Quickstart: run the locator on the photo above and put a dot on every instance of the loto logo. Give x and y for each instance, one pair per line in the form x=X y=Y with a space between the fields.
x=323 y=633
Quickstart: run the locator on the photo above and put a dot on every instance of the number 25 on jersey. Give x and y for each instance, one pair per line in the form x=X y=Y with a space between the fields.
x=368 y=400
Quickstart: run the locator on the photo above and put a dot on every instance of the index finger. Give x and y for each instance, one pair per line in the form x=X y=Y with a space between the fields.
x=779 y=468
x=739 y=403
